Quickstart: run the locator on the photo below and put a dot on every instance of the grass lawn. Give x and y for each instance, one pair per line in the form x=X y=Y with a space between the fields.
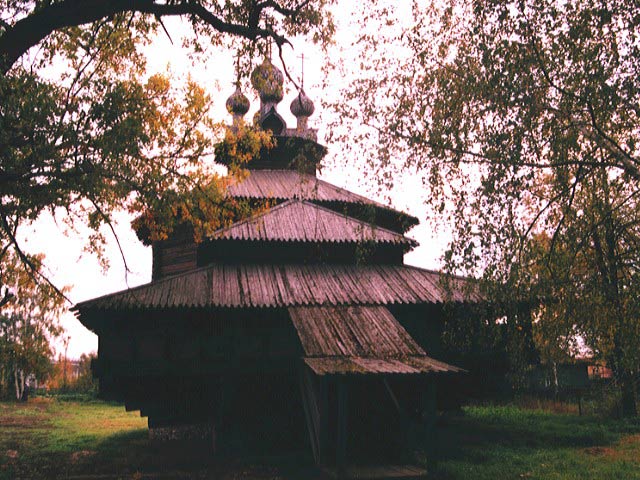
x=515 y=443
x=47 y=438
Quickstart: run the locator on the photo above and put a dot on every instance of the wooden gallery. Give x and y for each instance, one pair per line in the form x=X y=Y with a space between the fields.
x=298 y=326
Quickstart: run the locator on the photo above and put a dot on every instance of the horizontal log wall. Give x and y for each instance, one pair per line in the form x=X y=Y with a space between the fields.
x=176 y=255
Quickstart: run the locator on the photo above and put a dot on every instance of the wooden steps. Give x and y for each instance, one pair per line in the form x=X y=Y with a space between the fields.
x=406 y=472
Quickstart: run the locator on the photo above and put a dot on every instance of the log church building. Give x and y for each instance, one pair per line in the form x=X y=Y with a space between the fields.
x=298 y=326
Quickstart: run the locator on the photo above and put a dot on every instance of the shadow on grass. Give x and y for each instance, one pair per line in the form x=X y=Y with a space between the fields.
x=120 y=453
x=490 y=436
x=129 y=452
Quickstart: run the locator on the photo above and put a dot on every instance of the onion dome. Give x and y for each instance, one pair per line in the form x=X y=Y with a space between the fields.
x=302 y=106
x=238 y=103
x=267 y=79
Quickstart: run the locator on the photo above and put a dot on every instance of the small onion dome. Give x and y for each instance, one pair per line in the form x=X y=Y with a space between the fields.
x=302 y=106
x=238 y=103
x=267 y=79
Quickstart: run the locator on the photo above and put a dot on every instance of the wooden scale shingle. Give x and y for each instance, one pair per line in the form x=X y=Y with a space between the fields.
x=298 y=326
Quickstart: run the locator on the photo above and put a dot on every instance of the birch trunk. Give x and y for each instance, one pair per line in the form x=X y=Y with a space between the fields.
x=18 y=375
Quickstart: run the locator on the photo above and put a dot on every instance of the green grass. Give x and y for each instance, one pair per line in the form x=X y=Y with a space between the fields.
x=49 y=438
x=514 y=443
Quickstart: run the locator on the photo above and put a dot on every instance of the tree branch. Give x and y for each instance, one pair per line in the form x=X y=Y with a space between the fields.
x=7 y=296
x=107 y=220
x=628 y=163
x=33 y=28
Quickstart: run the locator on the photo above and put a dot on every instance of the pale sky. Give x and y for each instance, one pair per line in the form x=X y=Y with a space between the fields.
x=68 y=265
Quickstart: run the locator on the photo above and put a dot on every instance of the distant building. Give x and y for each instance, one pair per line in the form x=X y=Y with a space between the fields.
x=596 y=369
x=561 y=377
x=599 y=371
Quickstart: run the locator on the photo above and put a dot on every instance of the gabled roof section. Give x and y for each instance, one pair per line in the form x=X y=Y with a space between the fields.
x=359 y=340
x=268 y=285
x=352 y=331
x=288 y=184
x=303 y=221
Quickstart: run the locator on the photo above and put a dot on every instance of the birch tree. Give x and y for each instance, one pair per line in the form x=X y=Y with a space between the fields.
x=28 y=324
x=523 y=119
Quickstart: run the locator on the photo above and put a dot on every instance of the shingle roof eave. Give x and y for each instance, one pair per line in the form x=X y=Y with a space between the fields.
x=359 y=285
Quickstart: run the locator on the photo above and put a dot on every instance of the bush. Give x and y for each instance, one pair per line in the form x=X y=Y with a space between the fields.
x=604 y=400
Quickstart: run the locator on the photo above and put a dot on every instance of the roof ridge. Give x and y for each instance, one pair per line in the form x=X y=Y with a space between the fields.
x=315 y=206
x=357 y=220
x=254 y=217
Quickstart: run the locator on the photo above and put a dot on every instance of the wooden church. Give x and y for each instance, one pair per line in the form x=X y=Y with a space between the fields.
x=298 y=326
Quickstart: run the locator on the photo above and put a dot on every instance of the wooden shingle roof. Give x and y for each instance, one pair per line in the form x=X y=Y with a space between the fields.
x=358 y=365
x=268 y=285
x=352 y=331
x=303 y=221
x=359 y=340
x=287 y=184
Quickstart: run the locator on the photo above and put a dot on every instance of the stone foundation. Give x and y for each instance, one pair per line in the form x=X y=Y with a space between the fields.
x=200 y=433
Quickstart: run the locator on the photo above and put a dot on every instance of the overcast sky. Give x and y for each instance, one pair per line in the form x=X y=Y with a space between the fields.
x=68 y=265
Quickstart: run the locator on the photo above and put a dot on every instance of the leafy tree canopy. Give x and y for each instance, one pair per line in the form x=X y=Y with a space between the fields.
x=83 y=129
x=27 y=325
x=523 y=118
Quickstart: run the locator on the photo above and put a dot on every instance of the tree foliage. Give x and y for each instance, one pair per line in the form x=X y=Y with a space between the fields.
x=84 y=130
x=205 y=207
x=523 y=118
x=27 y=325
x=73 y=376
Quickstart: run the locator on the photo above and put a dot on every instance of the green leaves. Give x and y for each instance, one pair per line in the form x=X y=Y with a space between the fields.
x=27 y=323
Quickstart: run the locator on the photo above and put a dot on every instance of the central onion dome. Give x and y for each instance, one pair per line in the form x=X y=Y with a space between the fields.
x=302 y=106
x=294 y=148
x=267 y=79
x=238 y=103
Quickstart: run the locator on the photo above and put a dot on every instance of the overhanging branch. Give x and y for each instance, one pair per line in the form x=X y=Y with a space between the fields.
x=29 y=31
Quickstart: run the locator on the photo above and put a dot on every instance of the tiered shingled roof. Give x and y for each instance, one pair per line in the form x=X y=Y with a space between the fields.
x=268 y=285
x=303 y=221
x=289 y=184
